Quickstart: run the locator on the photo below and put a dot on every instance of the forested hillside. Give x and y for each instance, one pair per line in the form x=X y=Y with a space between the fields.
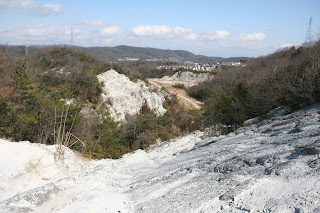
x=112 y=54
x=120 y=52
x=44 y=98
x=44 y=95
x=34 y=91
x=289 y=78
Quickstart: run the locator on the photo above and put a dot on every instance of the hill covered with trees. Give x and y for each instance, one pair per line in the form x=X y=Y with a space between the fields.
x=112 y=54
x=43 y=95
x=288 y=78
x=118 y=52
x=47 y=91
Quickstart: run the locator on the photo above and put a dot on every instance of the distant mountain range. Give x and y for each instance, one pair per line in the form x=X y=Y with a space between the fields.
x=120 y=52
x=112 y=54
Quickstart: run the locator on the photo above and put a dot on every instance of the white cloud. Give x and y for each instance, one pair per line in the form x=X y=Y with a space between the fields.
x=159 y=31
x=35 y=8
x=226 y=36
x=215 y=35
x=285 y=45
x=107 y=41
x=192 y=36
x=40 y=32
x=111 y=30
x=44 y=34
x=94 y=23
x=180 y=30
x=249 y=45
x=207 y=36
x=18 y=4
x=50 y=9
x=253 y=37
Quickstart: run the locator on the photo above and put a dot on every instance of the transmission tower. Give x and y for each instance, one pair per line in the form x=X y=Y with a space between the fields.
x=308 y=40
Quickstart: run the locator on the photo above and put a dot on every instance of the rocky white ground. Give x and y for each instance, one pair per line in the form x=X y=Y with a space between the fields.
x=191 y=76
x=268 y=166
x=125 y=97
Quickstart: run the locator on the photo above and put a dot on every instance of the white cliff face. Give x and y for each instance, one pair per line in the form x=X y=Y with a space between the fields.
x=125 y=97
x=191 y=77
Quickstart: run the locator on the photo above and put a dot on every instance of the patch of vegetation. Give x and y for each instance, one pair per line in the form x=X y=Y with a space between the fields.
x=288 y=78
x=144 y=129
x=179 y=86
x=42 y=86
x=50 y=89
x=146 y=69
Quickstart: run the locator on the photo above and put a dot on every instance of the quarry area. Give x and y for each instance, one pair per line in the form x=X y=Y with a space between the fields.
x=188 y=79
x=125 y=97
x=270 y=165
x=144 y=107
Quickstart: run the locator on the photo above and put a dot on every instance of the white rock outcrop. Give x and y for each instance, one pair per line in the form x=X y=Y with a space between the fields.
x=191 y=77
x=270 y=166
x=125 y=97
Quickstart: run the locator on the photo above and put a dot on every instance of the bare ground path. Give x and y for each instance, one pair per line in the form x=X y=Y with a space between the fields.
x=183 y=98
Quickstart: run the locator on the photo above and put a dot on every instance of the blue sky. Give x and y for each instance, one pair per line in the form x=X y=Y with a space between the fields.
x=214 y=28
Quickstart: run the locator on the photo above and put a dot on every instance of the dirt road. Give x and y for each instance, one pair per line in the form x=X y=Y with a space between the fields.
x=183 y=98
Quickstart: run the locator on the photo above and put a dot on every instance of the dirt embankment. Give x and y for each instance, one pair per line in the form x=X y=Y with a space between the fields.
x=183 y=98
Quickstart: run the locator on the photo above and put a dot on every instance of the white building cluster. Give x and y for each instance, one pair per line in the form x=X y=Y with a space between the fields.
x=191 y=66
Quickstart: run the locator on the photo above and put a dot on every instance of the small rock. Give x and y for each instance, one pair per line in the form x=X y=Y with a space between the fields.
x=249 y=162
x=189 y=170
x=227 y=196
x=276 y=112
x=314 y=163
x=313 y=149
x=269 y=171
x=251 y=121
x=261 y=161
x=316 y=210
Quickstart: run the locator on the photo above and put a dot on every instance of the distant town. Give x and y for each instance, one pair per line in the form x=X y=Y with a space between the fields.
x=192 y=66
x=186 y=65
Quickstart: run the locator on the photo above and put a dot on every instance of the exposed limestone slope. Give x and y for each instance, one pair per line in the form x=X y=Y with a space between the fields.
x=191 y=77
x=125 y=97
x=269 y=166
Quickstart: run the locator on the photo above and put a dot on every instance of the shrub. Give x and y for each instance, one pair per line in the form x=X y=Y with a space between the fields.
x=179 y=86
